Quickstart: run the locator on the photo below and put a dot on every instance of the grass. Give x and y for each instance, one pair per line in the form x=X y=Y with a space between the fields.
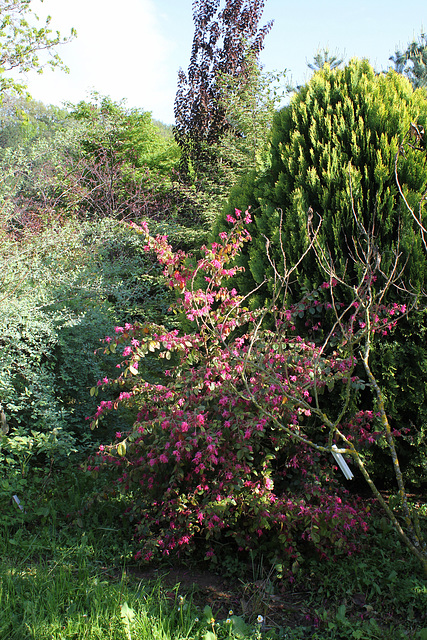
x=56 y=600
x=74 y=578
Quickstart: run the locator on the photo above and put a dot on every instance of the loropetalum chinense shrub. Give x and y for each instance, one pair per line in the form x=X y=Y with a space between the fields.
x=233 y=446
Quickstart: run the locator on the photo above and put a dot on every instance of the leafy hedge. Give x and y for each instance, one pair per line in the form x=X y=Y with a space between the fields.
x=61 y=291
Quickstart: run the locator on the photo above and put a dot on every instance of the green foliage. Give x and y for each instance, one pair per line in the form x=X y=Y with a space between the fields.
x=323 y=57
x=119 y=165
x=63 y=285
x=60 y=292
x=402 y=364
x=333 y=155
x=24 y=120
x=21 y=40
x=413 y=61
x=32 y=162
x=129 y=135
x=75 y=577
x=249 y=105
x=333 y=150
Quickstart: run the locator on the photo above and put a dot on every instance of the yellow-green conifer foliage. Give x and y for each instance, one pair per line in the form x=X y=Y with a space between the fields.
x=333 y=148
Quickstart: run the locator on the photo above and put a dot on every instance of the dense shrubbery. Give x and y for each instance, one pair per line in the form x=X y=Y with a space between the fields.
x=224 y=421
x=333 y=155
x=227 y=449
x=58 y=297
x=233 y=425
x=69 y=271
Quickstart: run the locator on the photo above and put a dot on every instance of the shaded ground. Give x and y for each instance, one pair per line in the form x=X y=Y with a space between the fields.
x=248 y=599
x=309 y=607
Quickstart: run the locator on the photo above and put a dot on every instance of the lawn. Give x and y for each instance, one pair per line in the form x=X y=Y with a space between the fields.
x=67 y=572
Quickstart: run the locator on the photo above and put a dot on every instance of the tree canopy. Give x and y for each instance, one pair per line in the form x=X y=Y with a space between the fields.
x=22 y=40
x=413 y=61
x=333 y=152
x=222 y=41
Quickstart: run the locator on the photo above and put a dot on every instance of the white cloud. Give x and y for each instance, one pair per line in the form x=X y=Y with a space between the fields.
x=120 y=51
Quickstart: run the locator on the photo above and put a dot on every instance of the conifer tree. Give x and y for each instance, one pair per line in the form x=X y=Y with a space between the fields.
x=333 y=154
x=322 y=57
x=413 y=61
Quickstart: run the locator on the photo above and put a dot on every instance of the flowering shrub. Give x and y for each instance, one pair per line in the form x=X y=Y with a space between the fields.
x=233 y=446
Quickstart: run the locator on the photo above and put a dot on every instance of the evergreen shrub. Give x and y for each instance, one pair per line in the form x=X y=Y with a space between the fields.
x=333 y=153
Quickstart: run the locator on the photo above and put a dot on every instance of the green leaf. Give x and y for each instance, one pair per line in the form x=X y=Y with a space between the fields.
x=207 y=613
x=240 y=628
x=341 y=613
x=121 y=449
x=127 y=613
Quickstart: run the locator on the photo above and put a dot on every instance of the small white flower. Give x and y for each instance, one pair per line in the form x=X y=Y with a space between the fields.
x=228 y=621
x=230 y=613
x=260 y=619
x=196 y=619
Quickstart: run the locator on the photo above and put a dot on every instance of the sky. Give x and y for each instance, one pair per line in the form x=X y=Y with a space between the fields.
x=133 y=50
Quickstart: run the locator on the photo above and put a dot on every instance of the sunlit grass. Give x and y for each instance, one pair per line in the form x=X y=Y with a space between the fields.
x=53 y=599
x=74 y=578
